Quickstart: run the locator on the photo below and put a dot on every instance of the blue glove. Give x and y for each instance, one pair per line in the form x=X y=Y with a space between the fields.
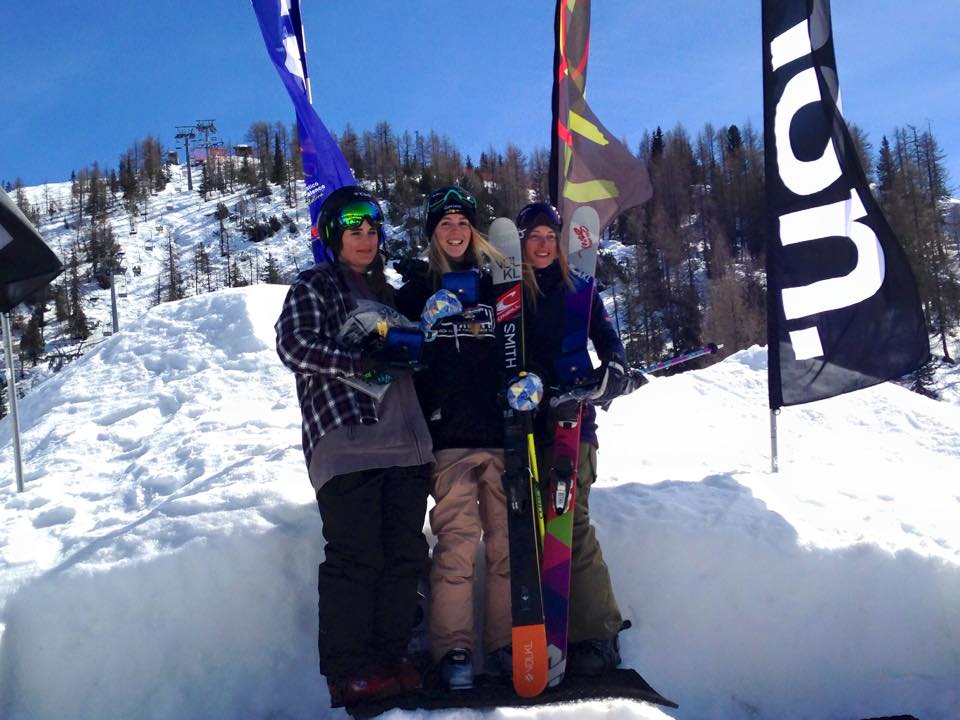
x=400 y=347
x=442 y=304
x=525 y=392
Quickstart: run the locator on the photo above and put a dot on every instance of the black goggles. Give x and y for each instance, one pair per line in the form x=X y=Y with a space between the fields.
x=449 y=195
x=539 y=214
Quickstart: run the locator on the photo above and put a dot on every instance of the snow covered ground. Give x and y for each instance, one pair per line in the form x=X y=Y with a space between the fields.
x=162 y=561
x=175 y=214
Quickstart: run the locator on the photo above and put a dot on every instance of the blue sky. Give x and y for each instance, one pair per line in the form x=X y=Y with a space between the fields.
x=82 y=81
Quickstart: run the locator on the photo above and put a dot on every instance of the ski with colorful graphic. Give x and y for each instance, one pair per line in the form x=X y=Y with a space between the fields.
x=572 y=366
x=528 y=635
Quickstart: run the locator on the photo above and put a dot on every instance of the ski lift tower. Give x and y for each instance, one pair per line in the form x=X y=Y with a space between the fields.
x=207 y=128
x=186 y=133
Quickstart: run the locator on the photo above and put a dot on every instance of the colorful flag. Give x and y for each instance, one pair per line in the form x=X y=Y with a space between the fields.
x=26 y=263
x=324 y=167
x=843 y=309
x=588 y=166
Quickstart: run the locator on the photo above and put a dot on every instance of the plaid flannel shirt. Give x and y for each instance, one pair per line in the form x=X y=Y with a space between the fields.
x=315 y=308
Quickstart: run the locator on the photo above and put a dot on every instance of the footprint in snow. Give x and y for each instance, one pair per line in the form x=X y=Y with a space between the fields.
x=54 y=516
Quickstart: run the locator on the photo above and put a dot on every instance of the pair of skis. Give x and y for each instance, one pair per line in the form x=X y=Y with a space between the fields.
x=540 y=598
x=540 y=575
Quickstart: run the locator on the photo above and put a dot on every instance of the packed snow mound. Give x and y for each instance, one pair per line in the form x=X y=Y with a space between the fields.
x=162 y=561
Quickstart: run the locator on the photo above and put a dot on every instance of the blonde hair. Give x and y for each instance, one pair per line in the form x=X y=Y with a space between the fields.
x=480 y=253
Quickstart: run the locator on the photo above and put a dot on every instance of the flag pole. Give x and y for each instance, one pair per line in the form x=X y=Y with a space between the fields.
x=774 y=462
x=12 y=386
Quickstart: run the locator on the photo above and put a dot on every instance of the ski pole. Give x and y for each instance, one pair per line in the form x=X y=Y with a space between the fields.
x=707 y=349
x=587 y=391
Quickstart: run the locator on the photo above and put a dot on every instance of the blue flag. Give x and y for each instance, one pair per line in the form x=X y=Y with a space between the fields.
x=324 y=167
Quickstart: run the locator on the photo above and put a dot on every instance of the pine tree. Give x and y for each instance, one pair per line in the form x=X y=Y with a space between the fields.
x=202 y=277
x=32 y=344
x=175 y=289
x=235 y=276
x=248 y=173
x=278 y=176
x=61 y=307
x=78 y=327
x=657 y=144
x=271 y=272
x=259 y=136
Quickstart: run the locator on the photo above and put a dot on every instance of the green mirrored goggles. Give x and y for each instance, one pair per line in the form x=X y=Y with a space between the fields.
x=353 y=214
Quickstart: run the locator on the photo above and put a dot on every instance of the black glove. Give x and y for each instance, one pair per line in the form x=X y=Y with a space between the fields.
x=613 y=381
x=411 y=268
x=565 y=412
x=399 y=348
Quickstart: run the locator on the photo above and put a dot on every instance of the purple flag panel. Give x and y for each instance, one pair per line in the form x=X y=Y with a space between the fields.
x=324 y=167
x=843 y=310
x=26 y=263
x=588 y=166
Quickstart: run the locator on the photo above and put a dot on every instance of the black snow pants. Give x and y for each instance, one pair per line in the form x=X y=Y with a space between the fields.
x=375 y=555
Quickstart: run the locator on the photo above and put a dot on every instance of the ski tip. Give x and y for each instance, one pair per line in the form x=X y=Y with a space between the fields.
x=586 y=215
x=503 y=225
x=529 y=660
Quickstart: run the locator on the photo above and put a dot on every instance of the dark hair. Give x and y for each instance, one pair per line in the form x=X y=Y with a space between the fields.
x=331 y=233
x=328 y=223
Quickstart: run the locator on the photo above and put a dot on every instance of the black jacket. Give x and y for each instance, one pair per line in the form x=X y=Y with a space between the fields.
x=544 y=325
x=460 y=389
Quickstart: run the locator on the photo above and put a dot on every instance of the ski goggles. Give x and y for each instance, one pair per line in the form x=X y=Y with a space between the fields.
x=352 y=215
x=455 y=196
x=540 y=213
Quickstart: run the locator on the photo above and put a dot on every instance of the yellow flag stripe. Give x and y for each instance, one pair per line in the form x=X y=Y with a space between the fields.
x=583 y=127
x=590 y=191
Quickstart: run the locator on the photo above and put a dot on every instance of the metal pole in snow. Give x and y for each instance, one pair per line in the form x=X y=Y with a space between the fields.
x=12 y=392
x=774 y=467
x=113 y=299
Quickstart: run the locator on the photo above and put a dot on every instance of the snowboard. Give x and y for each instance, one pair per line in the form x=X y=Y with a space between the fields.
x=493 y=692
x=572 y=367
x=528 y=636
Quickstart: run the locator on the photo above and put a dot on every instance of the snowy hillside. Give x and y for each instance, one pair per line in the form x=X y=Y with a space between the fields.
x=175 y=221
x=162 y=561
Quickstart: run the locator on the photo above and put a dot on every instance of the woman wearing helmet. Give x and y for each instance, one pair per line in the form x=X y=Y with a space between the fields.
x=459 y=392
x=594 y=617
x=368 y=460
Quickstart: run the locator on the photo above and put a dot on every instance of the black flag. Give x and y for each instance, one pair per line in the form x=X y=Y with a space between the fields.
x=26 y=263
x=843 y=309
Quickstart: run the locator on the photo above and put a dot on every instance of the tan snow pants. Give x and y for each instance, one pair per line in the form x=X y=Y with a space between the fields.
x=470 y=501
